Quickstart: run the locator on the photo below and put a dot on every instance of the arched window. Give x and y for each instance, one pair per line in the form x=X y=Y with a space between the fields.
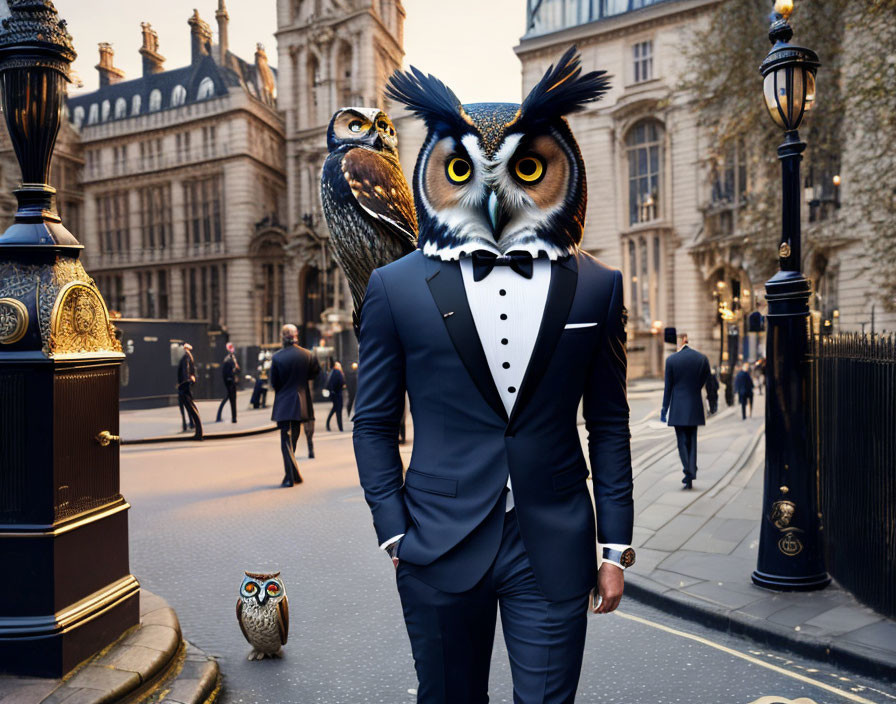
x=206 y=89
x=107 y=108
x=178 y=96
x=344 y=74
x=78 y=116
x=94 y=115
x=155 y=100
x=644 y=147
x=135 y=105
x=121 y=108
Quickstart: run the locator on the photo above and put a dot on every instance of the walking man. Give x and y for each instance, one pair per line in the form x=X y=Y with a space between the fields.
x=743 y=386
x=335 y=385
x=230 y=369
x=291 y=369
x=687 y=371
x=712 y=391
x=186 y=377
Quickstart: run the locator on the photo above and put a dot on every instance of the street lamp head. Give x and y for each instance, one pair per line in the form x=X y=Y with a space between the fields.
x=788 y=72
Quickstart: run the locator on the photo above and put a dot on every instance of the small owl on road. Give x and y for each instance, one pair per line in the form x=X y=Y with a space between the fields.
x=263 y=614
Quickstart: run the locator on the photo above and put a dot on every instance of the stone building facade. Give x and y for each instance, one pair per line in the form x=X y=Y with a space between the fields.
x=656 y=209
x=331 y=54
x=184 y=186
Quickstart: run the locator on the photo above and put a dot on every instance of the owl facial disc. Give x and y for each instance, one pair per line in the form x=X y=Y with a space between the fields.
x=500 y=176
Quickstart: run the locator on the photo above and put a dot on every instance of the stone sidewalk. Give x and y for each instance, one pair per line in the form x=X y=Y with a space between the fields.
x=696 y=549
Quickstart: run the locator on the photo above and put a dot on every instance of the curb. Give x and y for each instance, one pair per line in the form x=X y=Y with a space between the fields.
x=149 y=663
x=862 y=660
x=226 y=435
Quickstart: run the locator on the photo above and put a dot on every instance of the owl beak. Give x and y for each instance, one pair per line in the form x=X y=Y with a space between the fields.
x=263 y=597
x=496 y=214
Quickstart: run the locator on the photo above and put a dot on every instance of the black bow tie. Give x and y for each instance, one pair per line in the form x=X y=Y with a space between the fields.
x=484 y=261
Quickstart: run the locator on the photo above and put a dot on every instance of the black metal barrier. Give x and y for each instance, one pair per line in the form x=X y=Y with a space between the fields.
x=853 y=430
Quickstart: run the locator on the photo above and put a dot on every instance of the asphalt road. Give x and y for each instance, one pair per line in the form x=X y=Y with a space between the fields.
x=203 y=513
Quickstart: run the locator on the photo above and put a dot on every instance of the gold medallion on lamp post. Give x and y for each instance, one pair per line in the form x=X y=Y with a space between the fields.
x=13 y=320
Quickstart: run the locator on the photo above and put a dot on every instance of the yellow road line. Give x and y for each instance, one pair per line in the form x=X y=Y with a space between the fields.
x=749 y=658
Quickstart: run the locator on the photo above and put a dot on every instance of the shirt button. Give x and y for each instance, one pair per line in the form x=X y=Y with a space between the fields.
x=503 y=316
x=502 y=292
x=504 y=341
x=506 y=365
x=511 y=389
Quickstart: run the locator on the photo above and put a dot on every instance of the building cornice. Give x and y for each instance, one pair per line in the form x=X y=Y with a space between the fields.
x=611 y=27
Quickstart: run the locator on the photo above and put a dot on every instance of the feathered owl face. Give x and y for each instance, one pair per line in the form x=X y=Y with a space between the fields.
x=261 y=588
x=500 y=176
x=362 y=127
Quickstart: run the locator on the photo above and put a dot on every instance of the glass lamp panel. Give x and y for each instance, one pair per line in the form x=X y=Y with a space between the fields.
x=797 y=97
x=810 y=90
x=770 y=94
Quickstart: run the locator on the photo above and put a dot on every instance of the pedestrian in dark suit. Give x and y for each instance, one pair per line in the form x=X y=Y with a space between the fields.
x=351 y=388
x=743 y=386
x=230 y=370
x=260 y=391
x=291 y=368
x=686 y=374
x=712 y=392
x=335 y=385
x=186 y=377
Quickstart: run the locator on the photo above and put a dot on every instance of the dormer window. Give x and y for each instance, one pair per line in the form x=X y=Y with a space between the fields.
x=135 y=105
x=178 y=96
x=155 y=100
x=107 y=108
x=78 y=116
x=121 y=108
x=206 y=89
x=94 y=115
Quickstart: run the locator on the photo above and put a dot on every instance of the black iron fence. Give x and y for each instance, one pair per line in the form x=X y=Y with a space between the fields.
x=853 y=424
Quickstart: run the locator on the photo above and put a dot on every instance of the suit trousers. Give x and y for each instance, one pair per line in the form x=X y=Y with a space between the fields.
x=452 y=634
x=289 y=436
x=185 y=399
x=687 y=449
x=230 y=395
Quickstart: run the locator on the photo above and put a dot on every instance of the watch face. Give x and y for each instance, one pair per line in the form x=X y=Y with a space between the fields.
x=628 y=558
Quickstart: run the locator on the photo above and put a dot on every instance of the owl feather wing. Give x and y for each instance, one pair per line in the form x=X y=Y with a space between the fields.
x=283 y=619
x=239 y=619
x=378 y=184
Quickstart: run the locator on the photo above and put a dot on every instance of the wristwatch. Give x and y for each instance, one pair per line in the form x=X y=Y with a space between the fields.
x=626 y=557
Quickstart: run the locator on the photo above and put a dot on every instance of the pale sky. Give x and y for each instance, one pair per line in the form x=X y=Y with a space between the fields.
x=467 y=43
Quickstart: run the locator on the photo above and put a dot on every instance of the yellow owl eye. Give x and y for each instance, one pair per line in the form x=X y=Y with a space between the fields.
x=250 y=588
x=273 y=589
x=529 y=169
x=458 y=170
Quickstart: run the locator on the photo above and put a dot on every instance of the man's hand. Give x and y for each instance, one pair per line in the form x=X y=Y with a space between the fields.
x=610 y=583
x=662 y=417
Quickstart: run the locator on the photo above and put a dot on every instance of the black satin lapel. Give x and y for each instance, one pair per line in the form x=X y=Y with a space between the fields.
x=562 y=290
x=447 y=286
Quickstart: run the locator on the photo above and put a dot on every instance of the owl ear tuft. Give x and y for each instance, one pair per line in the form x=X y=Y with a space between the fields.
x=563 y=90
x=425 y=96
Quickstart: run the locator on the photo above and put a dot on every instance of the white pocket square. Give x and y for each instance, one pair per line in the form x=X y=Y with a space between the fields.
x=573 y=326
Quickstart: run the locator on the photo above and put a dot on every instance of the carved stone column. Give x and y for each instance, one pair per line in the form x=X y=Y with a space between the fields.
x=63 y=521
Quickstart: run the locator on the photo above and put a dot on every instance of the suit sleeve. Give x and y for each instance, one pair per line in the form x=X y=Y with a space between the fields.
x=274 y=376
x=378 y=410
x=606 y=419
x=667 y=387
x=314 y=368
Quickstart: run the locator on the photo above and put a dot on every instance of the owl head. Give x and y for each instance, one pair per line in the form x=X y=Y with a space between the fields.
x=362 y=127
x=261 y=588
x=500 y=176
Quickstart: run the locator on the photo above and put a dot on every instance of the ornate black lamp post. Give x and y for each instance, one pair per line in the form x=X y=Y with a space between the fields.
x=790 y=556
x=67 y=590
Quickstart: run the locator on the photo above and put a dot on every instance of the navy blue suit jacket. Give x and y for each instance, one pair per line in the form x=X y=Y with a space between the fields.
x=743 y=384
x=686 y=373
x=418 y=335
x=291 y=370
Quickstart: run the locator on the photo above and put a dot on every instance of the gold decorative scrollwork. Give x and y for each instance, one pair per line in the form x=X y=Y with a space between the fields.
x=79 y=323
x=782 y=513
x=784 y=250
x=13 y=320
x=790 y=543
